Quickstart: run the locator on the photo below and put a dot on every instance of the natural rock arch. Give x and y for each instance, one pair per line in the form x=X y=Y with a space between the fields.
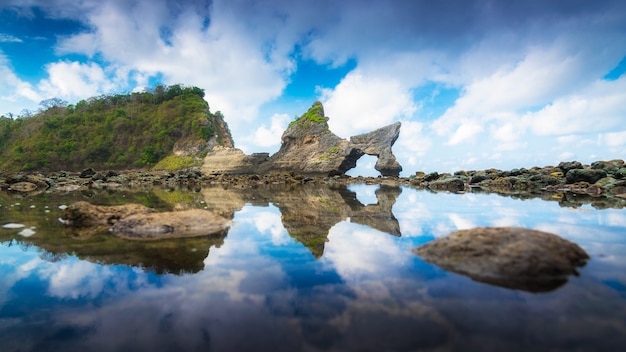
x=309 y=147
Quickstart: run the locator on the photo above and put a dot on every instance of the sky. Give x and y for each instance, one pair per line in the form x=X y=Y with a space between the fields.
x=476 y=83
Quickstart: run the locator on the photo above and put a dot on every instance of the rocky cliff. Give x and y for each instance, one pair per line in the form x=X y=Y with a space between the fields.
x=309 y=147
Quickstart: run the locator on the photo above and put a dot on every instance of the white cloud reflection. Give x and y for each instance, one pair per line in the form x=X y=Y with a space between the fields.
x=356 y=251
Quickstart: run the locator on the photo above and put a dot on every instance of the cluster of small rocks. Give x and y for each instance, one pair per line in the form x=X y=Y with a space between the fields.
x=602 y=183
x=599 y=178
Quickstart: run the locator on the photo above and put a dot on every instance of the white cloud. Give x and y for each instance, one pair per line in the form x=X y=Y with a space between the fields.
x=7 y=38
x=467 y=131
x=361 y=103
x=15 y=94
x=267 y=137
x=598 y=108
x=613 y=139
x=75 y=80
x=413 y=142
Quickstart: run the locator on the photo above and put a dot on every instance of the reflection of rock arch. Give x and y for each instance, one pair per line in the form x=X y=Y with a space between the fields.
x=309 y=211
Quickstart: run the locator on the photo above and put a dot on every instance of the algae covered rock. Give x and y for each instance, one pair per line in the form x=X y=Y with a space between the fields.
x=511 y=257
x=585 y=175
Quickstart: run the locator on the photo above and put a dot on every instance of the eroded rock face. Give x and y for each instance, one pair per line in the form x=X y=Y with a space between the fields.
x=221 y=160
x=516 y=258
x=309 y=147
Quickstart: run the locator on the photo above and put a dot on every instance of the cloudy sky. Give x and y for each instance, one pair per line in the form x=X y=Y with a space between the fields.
x=476 y=83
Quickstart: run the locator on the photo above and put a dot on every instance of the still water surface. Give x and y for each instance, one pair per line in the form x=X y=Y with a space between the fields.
x=302 y=269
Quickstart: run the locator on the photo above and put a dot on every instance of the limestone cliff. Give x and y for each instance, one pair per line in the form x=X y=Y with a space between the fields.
x=309 y=147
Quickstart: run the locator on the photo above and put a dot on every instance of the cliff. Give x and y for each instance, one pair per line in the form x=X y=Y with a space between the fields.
x=122 y=131
x=309 y=147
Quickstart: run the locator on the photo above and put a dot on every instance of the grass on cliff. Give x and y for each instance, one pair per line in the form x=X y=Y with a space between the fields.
x=174 y=162
x=314 y=114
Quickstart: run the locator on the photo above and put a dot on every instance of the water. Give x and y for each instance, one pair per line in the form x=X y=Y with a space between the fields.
x=303 y=268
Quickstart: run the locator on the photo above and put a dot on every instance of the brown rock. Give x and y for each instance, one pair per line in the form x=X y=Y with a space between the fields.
x=515 y=258
x=178 y=224
x=23 y=187
x=85 y=214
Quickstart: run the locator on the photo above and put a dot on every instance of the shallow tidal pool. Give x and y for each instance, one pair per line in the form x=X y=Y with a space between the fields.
x=302 y=269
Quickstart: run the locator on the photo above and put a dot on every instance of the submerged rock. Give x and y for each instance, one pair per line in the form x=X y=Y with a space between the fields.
x=516 y=258
x=23 y=187
x=85 y=214
x=177 y=224
x=136 y=221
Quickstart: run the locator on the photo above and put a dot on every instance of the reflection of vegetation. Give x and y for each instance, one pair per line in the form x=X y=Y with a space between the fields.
x=177 y=197
x=116 y=131
x=307 y=212
x=178 y=256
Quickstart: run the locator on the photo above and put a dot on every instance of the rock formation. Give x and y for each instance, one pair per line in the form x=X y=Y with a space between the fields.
x=309 y=147
x=136 y=221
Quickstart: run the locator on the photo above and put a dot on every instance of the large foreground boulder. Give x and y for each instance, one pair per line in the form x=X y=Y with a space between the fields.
x=516 y=258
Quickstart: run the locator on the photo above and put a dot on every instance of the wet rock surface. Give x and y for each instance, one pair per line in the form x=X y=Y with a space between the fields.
x=515 y=258
x=177 y=224
x=85 y=214
x=136 y=221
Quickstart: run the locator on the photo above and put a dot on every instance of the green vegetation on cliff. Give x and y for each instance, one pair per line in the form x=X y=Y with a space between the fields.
x=315 y=114
x=117 y=131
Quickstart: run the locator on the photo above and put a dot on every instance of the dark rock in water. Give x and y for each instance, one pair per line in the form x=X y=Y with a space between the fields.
x=85 y=214
x=452 y=184
x=178 y=224
x=431 y=176
x=87 y=173
x=98 y=177
x=584 y=175
x=515 y=258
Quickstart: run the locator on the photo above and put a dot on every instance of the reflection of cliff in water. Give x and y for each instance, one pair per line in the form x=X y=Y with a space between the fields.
x=308 y=212
x=177 y=256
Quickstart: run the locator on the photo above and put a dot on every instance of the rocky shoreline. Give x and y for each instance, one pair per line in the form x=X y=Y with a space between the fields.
x=601 y=184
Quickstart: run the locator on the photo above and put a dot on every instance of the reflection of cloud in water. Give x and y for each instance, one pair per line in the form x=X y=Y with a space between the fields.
x=615 y=219
x=266 y=222
x=366 y=194
x=356 y=251
x=75 y=278
x=412 y=214
x=461 y=223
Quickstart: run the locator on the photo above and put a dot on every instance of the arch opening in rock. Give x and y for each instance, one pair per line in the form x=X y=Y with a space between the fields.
x=365 y=166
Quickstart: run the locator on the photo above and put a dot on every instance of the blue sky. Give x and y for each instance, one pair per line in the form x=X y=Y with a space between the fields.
x=476 y=84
